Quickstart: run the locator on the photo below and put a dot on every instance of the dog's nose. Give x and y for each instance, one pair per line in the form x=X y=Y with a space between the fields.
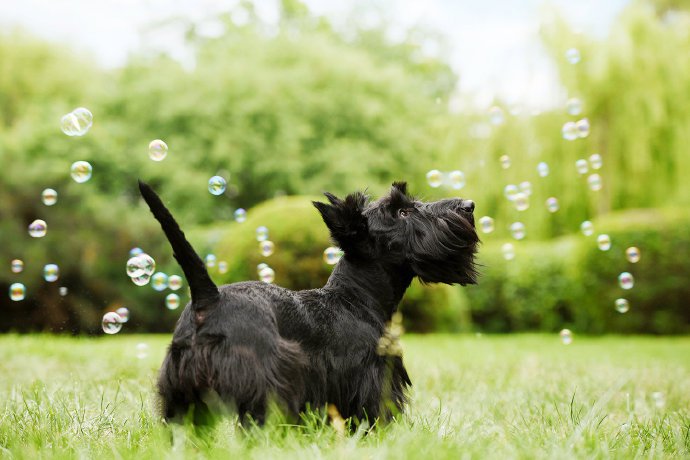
x=467 y=206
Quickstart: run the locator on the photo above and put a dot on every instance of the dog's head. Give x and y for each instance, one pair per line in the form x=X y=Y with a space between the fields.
x=436 y=240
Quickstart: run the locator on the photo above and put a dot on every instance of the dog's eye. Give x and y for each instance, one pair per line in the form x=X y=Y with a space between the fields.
x=404 y=212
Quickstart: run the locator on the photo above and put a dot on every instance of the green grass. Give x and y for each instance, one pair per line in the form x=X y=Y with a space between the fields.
x=524 y=396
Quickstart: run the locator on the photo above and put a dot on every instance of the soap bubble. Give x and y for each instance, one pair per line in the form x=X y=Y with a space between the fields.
x=17 y=292
x=158 y=150
x=632 y=254
x=210 y=260
x=508 y=251
x=77 y=122
x=496 y=116
x=622 y=305
x=159 y=281
x=626 y=280
x=587 y=228
x=141 y=280
x=595 y=161
x=38 y=228
x=456 y=179
x=149 y=264
x=659 y=399
x=51 y=272
x=486 y=224
x=222 y=267
x=267 y=275
x=81 y=171
x=266 y=247
x=521 y=201
x=261 y=233
x=175 y=282
x=240 y=215
x=526 y=187
x=510 y=191
x=142 y=351
x=566 y=336
x=594 y=182
x=517 y=229
x=434 y=178
x=261 y=266
x=111 y=323
x=552 y=204
x=543 y=169
x=135 y=266
x=505 y=161
x=49 y=197
x=135 y=252
x=574 y=106
x=123 y=313
x=581 y=166
x=216 y=185
x=572 y=55
x=604 y=242
x=17 y=266
x=172 y=301
x=582 y=128
x=63 y=291
x=569 y=131
x=331 y=255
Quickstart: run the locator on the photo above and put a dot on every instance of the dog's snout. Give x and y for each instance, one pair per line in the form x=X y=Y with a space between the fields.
x=467 y=206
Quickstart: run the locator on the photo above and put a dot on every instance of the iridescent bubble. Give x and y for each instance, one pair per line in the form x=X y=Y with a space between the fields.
x=172 y=301
x=659 y=399
x=594 y=182
x=510 y=191
x=174 y=282
x=159 y=281
x=261 y=233
x=81 y=171
x=267 y=275
x=141 y=280
x=434 y=178
x=508 y=251
x=135 y=266
x=51 y=272
x=17 y=266
x=595 y=161
x=604 y=242
x=77 y=122
x=112 y=323
x=123 y=313
x=486 y=224
x=149 y=264
x=142 y=351
x=526 y=187
x=569 y=131
x=626 y=280
x=552 y=204
x=574 y=106
x=49 y=197
x=38 y=228
x=566 y=336
x=572 y=55
x=456 y=179
x=622 y=305
x=496 y=116
x=158 y=150
x=222 y=267
x=521 y=201
x=17 y=291
x=260 y=267
x=632 y=254
x=582 y=128
x=135 y=252
x=543 y=169
x=216 y=185
x=505 y=161
x=63 y=291
x=331 y=255
x=210 y=260
x=587 y=228
x=240 y=215
x=517 y=229
x=266 y=247
x=581 y=166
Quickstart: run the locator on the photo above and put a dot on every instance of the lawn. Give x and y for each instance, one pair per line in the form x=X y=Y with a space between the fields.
x=522 y=396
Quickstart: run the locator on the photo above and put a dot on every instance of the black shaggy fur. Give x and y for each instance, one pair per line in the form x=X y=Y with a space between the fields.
x=243 y=344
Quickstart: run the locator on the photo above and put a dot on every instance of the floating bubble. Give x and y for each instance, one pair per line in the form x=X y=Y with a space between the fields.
x=582 y=128
x=505 y=161
x=135 y=252
x=594 y=182
x=267 y=275
x=572 y=55
x=222 y=267
x=595 y=161
x=332 y=255
x=175 y=282
x=63 y=291
x=77 y=122
x=172 y=301
x=112 y=323
x=508 y=251
x=526 y=187
x=543 y=169
x=581 y=166
x=552 y=204
x=486 y=224
x=659 y=399
x=51 y=272
x=17 y=266
x=216 y=185
x=604 y=242
x=517 y=229
x=569 y=131
x=159 y=281
x=261 y=266
x=49 y=197
x=510 y=191
x=622 y=305
x=81 y=171
x=626 y=280
x=240 y=215
x=566 y=336
x=266 y=247
x=587 y=228
x=210 y=260
x=574 y=106
x=632 y=254
x=456 y=179
x=142 y=351
x=149 y=264
x=521 y=201
x=135 y=266
x=434 y=178
x=17 y=291
x=261 y=233
x=38 y=228
x=123 y=313
x=158 y=150
x=496 y=115
x=141 y=280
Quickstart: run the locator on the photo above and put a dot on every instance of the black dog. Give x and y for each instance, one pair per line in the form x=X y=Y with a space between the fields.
x=246 y=343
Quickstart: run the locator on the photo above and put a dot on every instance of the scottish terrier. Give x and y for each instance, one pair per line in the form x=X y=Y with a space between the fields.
x=244 y=344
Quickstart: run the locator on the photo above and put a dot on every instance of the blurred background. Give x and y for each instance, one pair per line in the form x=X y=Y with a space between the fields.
x=286 y=99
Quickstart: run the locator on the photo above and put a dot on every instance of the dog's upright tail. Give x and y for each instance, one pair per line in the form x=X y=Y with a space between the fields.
x=204 y=291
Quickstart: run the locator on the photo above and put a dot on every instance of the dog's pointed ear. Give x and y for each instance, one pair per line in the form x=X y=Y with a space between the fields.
x=345 y=220
x=400 y=187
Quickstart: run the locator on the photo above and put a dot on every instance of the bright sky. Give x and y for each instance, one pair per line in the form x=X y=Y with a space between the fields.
x=494 y=44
